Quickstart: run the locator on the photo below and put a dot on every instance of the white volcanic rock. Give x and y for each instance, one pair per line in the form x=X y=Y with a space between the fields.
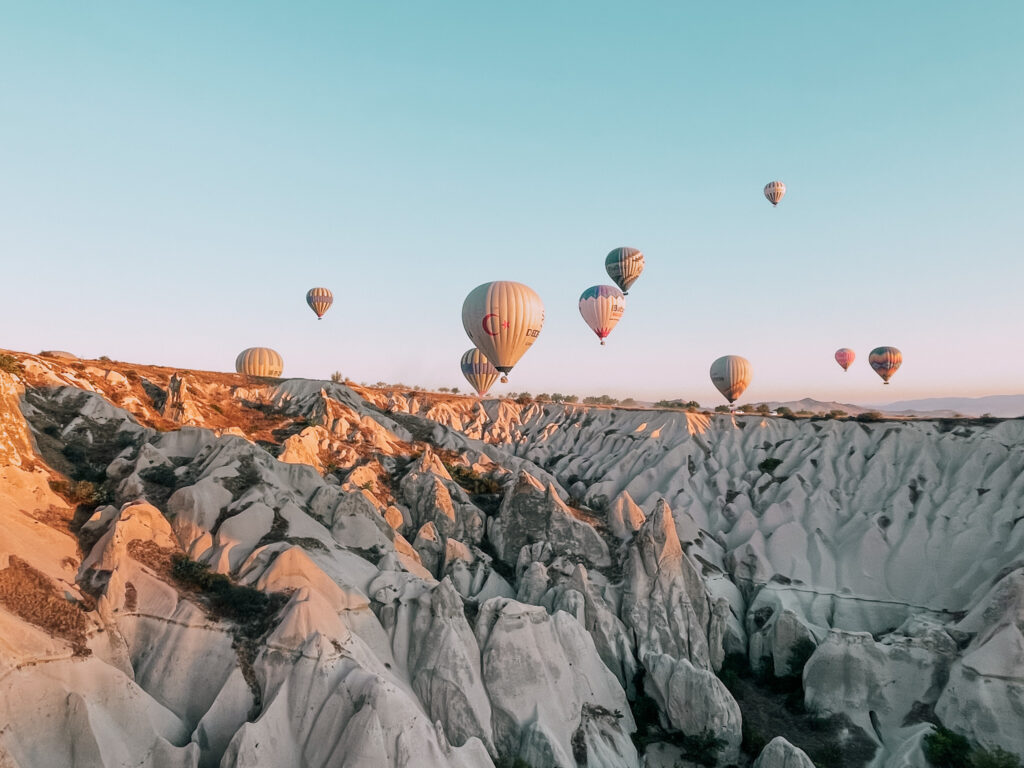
x=580 y=597
x=876 y=683
x=82 y=712
x=984 y=698
x=532 y=513
x=542 y=672
x=306 y=447
x=665 y=602
x=444 y=667
x=434 y=497
x=775 y=625
x=694 y=701
x=179 y=405
x=336 y=705
x=624 y=517
x=779 y=753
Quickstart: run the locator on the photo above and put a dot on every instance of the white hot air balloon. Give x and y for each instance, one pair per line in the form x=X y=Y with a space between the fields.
x=503 y=319
x=601 y=307
x=259 y=361
x=731 y=375
x=478 y=371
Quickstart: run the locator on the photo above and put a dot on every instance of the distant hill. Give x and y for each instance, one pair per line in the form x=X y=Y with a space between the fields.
x=1003 y=406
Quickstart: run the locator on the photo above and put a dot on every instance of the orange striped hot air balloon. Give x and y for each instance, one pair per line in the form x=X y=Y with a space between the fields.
x=774 y=191
x=319 y=300
x=845 y=357
x=885 y=361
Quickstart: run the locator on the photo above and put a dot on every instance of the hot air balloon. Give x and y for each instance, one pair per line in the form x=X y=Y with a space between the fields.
x=503 y=319
x=478 y=371
x=774 y=191
x=319 y=300
x=259 y=361
x=731 y=375
x=845 y=357
x=602 y=306
x=885 y=361
x=624 y=266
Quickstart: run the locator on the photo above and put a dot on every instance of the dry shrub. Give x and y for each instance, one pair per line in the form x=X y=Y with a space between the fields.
x=158 y=559
x=31 y=595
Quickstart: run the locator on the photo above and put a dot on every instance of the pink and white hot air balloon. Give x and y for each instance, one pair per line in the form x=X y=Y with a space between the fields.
x=601 y=307
x=845 y=357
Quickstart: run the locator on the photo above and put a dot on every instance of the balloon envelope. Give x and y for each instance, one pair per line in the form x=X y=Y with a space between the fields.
x=601 y=307
x=774 y=191
x=319 y=300
x=731 y=375
x=624 y=266
x=845 y=357
x=885 y=361
x=503 y=319
x=478 y=371
x=259 y=361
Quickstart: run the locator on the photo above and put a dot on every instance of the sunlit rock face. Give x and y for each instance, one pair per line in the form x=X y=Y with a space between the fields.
x=199 y=570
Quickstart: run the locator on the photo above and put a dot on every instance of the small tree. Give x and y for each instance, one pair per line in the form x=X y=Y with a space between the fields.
x=337 y=378
x=524 y=398
x=763 y=409
x=629 y=401
x=835 y=413
x=746 y=408
x=572 y=398
x=442 y=389
x=784 y=411
x=455 y=390
x=722 y=409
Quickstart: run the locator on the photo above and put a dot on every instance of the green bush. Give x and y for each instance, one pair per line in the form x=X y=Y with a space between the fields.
x=753 y=740
x=160 y=475
x=994 y=758
x=249 y=608
x=799 y=654
x=869 y=416
x=945 y=749
x=703 y=748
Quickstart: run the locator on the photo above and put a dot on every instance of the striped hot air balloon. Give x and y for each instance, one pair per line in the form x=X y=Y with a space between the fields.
x=601 y=307
x=845 y=357
x=259 y=361
x=885 y=361
x=478 y=371
x=503 y=319
x=624 y=266
x=319 y=300
x=774 y=191
x=731 y=375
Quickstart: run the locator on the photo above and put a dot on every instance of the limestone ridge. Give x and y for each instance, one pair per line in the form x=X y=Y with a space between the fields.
x=201 y=569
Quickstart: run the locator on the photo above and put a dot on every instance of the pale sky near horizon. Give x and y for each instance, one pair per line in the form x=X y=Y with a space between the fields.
x=174 y=177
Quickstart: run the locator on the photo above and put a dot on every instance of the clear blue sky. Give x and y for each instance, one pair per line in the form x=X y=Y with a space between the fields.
x=174 y=176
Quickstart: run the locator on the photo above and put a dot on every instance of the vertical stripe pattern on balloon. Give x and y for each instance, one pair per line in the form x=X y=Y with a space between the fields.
x=624 y=266
x=478 y=371
x=885 y=361
x=731 y=375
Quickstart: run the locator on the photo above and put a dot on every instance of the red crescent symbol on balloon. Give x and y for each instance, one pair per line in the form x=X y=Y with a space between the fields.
x=487 y=330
